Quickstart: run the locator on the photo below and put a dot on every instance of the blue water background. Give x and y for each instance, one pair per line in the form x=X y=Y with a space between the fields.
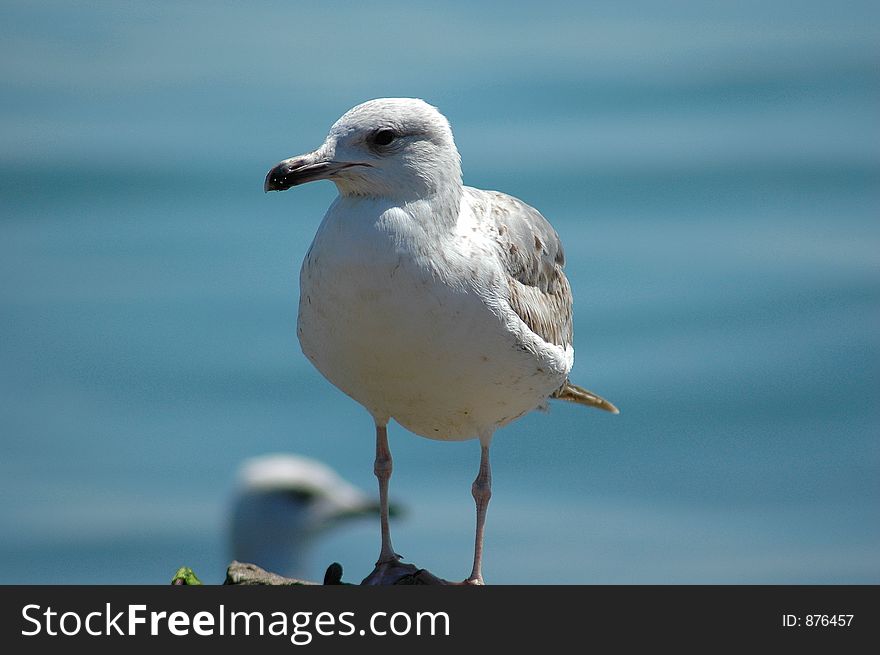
x=712 y=168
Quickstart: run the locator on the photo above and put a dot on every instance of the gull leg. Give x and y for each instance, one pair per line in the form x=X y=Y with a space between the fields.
x=482 y=492
x=382 y=467
x=389 y=569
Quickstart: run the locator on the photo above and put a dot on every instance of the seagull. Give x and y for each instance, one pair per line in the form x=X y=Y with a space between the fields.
x=439 y=305
x=282 y=502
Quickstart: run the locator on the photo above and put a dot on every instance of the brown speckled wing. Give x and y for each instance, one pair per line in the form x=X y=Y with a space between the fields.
x=532 y=253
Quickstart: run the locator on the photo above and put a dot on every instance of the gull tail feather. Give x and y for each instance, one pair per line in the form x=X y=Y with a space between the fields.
x=575 y=394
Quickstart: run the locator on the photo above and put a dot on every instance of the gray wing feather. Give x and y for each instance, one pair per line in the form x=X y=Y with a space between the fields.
x=532 y=254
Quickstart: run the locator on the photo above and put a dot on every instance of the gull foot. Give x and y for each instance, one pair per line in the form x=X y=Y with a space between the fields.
x=477 y=582
x=390 y=572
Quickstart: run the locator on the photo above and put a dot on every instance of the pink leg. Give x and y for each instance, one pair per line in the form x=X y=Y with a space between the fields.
x=389 y=569
x=482 y=492
x=382 y=468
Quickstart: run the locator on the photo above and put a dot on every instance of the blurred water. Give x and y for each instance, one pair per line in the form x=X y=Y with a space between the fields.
x=713 y=169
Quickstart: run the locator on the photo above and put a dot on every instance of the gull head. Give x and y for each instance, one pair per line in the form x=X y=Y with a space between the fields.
x=398 y=148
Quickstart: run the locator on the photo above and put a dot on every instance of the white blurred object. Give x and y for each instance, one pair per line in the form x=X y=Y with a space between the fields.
x=282 y=503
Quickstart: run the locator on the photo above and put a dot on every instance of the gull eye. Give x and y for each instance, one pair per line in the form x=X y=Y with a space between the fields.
x=383 y=137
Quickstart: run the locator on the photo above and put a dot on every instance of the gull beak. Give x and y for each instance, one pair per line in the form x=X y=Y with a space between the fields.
x=395 y=510
x=302 y=169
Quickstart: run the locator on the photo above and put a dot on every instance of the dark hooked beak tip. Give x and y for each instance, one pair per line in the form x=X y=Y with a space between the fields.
x=269 y=184
x=284 y=175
